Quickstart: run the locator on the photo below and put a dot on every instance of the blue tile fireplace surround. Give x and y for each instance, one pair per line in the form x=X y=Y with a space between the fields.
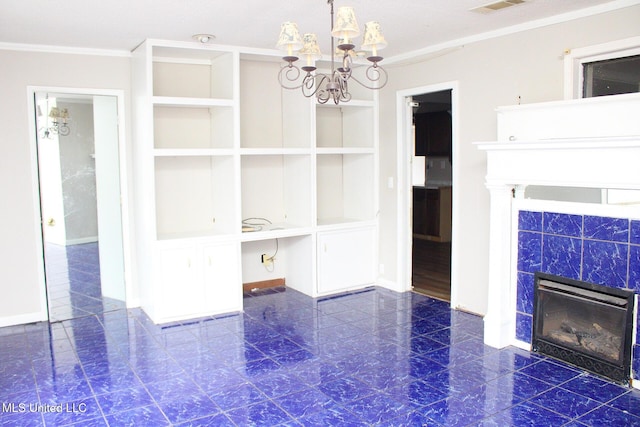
x=595 y=249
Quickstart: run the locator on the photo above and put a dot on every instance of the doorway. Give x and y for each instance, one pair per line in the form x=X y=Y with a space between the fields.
x=405 y=166
x=77 y=145
x=431 y=187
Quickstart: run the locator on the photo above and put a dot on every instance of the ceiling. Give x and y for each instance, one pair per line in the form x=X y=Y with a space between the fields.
x=408 y=25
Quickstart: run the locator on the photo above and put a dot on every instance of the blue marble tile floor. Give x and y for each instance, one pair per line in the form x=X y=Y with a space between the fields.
x=73 y=282
x=366 y=358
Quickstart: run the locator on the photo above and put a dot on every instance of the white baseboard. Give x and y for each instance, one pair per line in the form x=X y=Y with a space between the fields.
x=133 y=303
x=22 y=319
x=389 y=284
x=82 y=240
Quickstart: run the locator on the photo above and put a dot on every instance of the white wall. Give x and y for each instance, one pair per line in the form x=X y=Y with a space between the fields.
x=489 y=73
x=21 y=283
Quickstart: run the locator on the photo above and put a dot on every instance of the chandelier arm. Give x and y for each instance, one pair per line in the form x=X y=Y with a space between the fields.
x=289 y=73
x=63 y=130
x=311 y=85
x=345 y=95
x=374 y=74
x=342 y=74
x=322 y=96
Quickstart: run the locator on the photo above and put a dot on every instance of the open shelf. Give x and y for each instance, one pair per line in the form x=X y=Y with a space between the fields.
x=200 y=74
x=344 y=126
x=272 y=117
x=345 y=188
x=272 y=231
x=195 y=196
x=191 y=127
x=277 y=188
x=274 y=151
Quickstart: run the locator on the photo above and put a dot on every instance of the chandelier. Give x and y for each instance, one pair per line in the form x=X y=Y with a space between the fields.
x=56 y=122
x=59 y=118
x=335 y=85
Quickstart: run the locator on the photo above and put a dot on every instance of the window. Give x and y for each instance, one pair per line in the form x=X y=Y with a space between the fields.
x=604 y=69
x=611 y=76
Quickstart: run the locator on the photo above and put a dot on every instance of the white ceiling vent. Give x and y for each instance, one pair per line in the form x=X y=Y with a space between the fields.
x=498 y=5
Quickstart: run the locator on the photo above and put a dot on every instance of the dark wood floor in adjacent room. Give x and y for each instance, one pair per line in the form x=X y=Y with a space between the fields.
x=432 y=268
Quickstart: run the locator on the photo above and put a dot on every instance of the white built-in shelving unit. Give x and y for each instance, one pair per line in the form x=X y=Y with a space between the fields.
x=218 y=141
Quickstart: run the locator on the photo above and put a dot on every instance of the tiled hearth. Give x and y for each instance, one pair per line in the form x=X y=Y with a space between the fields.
x=595 y=249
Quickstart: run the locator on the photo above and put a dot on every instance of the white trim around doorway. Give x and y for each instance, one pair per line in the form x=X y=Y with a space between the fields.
x=42 y=314
x=403 y=158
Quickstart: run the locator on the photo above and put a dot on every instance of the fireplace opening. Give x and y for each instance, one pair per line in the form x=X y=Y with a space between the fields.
x=584 y=324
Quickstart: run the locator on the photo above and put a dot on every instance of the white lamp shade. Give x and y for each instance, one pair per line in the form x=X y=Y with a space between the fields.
x=373 y=39
x=345 y=26
x=289 y=39
x=310 y=48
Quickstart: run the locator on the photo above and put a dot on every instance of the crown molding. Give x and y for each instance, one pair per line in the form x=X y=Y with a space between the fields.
x=22 y=47
x=440 y=49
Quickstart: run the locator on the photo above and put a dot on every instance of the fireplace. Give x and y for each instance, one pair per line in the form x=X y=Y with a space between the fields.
x=584 y=324
x=560 y=145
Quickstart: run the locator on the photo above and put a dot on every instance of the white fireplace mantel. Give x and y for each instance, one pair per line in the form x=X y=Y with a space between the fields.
x=546 y=145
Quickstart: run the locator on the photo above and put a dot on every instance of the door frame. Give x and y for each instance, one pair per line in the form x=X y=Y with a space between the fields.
x=124 y=190
x=404 y=234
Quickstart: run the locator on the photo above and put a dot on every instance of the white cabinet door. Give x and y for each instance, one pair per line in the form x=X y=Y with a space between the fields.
x=345 y=259
x=222 y=287
x=198 y=279
x=181 y=293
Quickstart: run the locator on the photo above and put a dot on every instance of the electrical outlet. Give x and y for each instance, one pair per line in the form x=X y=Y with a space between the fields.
x=266 y=259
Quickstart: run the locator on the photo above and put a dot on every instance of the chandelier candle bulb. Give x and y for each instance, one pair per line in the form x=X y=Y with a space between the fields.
x=310 y=49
